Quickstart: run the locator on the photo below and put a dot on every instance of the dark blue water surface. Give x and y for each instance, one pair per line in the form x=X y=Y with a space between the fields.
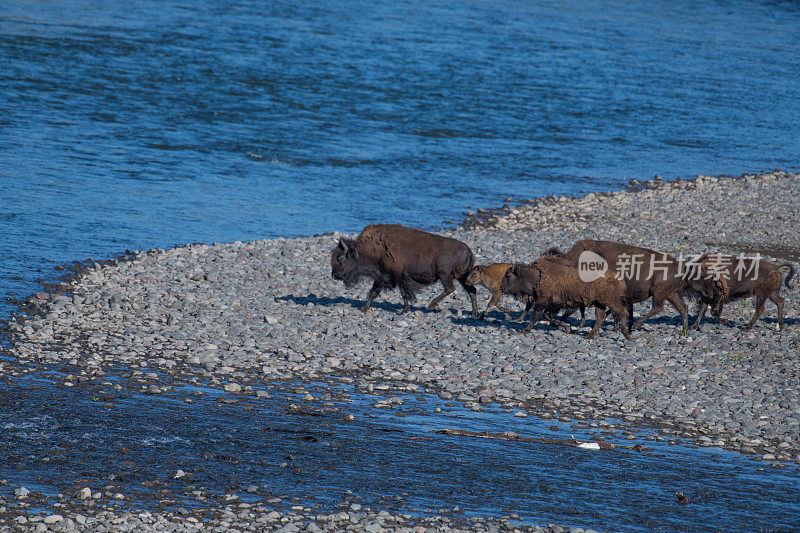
x=57 y=440
x=151 y=123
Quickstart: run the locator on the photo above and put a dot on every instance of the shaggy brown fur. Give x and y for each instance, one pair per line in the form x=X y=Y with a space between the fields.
x=555 y=283
x=665 y=283
x=490 y=276
x=724 y=278
x=396 y=256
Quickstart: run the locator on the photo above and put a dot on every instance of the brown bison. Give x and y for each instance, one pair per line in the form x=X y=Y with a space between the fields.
x=394 y=256
x=490 y=276
x=555 y=283
x=718 y=279
x=646 y=273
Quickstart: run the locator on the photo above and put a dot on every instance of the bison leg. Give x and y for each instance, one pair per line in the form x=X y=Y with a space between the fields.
x=537 y=315
x=680 y=306
x=702 y=306
x=524 y=313
x=406 y=307
x=717 y=312
x=616 y=319
x=621 y=319
x=583 y=317
x=557 y=322
x=565 y=315
x=759 y=309
x=407 y=292
x=657 y=307
x=600 y=317
x=472 y=292
x=630 y=316
x=493 y=303
x=505 y=310
x=617 y=323
x=571 y=311
x=778 y=300
x=373 y=293
x=449 y=288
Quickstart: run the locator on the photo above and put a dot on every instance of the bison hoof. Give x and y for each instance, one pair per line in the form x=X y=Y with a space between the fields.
x=365 y=309
x=566 y=328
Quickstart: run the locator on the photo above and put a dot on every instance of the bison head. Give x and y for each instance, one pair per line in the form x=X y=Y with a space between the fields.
x=520 y=281
x=710 y=285
x=344 y=262
x=474 y=276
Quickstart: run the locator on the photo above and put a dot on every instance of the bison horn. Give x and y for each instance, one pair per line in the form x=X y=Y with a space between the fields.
x=342 y=244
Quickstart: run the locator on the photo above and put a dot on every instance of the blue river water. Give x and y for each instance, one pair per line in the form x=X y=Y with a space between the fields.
x=58 y=439
x=154 y=123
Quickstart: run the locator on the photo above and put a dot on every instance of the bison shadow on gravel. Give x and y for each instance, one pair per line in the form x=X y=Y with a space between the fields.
x=498 y=320
x=393 y=308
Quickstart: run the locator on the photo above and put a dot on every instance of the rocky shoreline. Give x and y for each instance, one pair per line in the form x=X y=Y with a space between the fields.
x=249 y=517
x=239 y=313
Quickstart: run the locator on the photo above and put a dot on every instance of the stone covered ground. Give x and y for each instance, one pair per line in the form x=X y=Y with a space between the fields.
x=242 y=312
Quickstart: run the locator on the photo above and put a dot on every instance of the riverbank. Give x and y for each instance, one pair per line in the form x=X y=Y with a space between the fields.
x=248 y=517
x=243 y=313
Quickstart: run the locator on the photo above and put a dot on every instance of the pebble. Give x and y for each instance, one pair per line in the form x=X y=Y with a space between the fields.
x=233 y=387
x=53 y=518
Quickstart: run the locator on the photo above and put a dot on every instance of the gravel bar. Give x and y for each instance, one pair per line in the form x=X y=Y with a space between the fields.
x=248 y=517
x=268 y=310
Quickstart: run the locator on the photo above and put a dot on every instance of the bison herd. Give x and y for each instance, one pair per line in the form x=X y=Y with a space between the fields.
x=610 y=276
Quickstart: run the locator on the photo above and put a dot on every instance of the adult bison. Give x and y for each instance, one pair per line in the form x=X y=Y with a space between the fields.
x=646 y=273
x=395 y=256
x=718 y=279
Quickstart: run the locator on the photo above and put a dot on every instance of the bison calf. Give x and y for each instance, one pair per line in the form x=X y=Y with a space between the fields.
x=718 y=279
x=394 y=256
x=490 y=276
x=554 y=283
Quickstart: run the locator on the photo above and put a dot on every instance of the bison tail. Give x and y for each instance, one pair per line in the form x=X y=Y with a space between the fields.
x=464 y=268
x=791 y=273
